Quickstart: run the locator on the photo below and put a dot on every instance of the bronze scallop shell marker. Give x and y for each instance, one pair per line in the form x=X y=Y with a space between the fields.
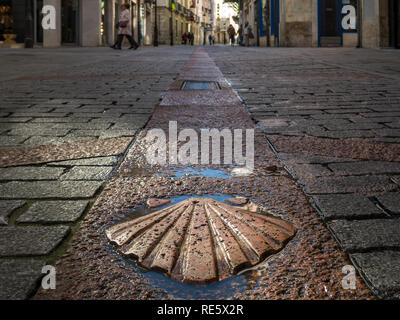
x=201 y=240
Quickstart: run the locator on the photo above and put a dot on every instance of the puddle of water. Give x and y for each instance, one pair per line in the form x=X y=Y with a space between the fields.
x=225 y=289
x=191 y=172
x=241 y=172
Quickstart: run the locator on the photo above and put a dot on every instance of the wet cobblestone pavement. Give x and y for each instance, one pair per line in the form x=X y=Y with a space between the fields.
x=72 y=165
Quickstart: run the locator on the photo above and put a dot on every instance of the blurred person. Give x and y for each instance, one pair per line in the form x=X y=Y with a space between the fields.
x=125 y=28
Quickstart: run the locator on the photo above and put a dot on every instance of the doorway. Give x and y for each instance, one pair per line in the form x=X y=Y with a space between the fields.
x=329 y=23
x=394 y=23
x=38 y=16
x=330 y=27
x=70 y=21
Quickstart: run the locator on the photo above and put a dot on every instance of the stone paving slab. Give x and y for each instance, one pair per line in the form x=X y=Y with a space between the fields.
x=11 y=140
x=391 y=202
x=21 y=282
x=358 y=236
x=345 y=148
x=304 y=171
x=299 y=158
x=99 y=161
x=381 y=269
x=87 y=173
x=365 y=167
x=348 y=184
x=30 y=173
x=7 y=208
x=30 y=241
x=66 y=151
x=349 y=206
x=49 y=189
x=53 y=211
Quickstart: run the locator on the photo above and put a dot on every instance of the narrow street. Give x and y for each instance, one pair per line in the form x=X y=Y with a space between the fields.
x=74 y=124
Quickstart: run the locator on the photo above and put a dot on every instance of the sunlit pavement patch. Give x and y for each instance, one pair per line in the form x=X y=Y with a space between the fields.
x=14 y=156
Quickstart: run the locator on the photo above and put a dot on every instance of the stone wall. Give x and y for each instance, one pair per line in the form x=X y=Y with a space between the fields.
x=296 y=23
x=384 y=23
x=52 y=38
x=370 y=23
x=90 y=15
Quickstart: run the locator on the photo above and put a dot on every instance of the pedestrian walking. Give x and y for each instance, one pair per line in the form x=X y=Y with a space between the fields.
x=240 y=38
x=210 y=39
x=184 y=38
x=191 y=38
x=125 y=28
x=232 y=33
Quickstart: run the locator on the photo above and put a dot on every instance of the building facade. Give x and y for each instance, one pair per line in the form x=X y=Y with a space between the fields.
x=226 y=13
x=92 y=22
x=324 y=23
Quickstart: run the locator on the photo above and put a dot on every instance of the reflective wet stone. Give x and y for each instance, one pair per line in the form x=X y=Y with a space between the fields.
x=155 y=203
x=237 y=201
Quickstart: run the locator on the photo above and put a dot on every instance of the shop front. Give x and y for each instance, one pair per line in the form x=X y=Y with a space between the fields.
x=78 y=22
x=12 y=23
x=70 y=22
x=394 y=23
x=337 y=23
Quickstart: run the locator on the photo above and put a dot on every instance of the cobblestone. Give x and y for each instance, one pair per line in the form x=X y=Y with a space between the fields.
x=7 y=208
x=390 y=201
x=30 y=241
x=30 y=173
x=348 y=184
x=20 y=283
x=53 y=211
x=381 y=269
x=100 y=161
x=87 y=173
x=48 y=189
x=365 y=167
x=371 y=234
x=338 y=206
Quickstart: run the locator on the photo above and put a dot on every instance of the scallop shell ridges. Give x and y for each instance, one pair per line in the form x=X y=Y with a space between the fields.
x=201 y=240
